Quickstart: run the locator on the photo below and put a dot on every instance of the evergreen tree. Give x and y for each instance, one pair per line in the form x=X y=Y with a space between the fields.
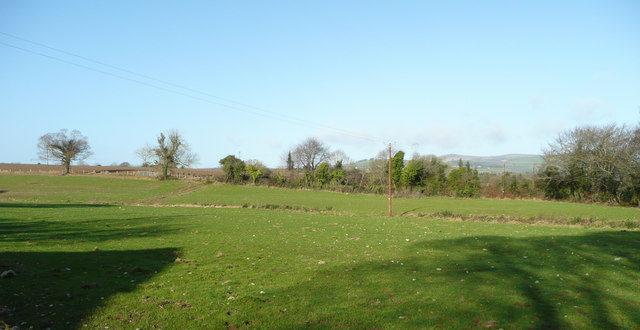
x=290 y=163
x=233 y=169
x=397 y=164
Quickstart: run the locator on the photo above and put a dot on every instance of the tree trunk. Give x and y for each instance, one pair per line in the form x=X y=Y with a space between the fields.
x=164 y=171
x=67 y=164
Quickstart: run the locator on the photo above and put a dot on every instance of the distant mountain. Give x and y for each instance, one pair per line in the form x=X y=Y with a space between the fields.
x=515 y=163
x=359 y=164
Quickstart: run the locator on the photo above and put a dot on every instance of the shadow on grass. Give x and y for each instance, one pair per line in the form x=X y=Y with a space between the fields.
x=408 y=211
x=60 y=289
x=27 y=222
x=586 y=281
x=50 y=205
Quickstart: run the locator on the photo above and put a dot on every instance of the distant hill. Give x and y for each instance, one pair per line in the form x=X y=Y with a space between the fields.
x=515 y=163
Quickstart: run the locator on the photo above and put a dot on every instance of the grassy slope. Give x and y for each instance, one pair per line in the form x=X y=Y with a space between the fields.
x=314 y=269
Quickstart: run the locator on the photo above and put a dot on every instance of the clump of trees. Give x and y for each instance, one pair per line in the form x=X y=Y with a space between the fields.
x=319 y=166
x=427 y=175
x=238 y=171
x=233 y=169
x=170 y=151
x=257 y=170
x=64 y=147
x=463 y=181
x=311 y=164
x=597 y=163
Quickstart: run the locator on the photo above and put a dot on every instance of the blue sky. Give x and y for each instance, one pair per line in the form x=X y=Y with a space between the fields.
x=466 y=77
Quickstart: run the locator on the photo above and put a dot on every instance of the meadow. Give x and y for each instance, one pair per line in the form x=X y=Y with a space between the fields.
x=113 y=252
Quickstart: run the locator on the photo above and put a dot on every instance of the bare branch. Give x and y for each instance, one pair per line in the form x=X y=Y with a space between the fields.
x=171 y=151
x=64 y=148
x=309 y=154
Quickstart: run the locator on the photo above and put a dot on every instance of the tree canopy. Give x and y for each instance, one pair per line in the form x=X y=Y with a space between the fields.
x=171 y=151
x=598 y=162
x=64 y=147
x=233 y=169
x=309 y=154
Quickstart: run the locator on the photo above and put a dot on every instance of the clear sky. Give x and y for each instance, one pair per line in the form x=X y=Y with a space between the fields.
x=255 y=78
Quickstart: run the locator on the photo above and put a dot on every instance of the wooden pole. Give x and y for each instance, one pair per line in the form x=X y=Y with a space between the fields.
x=533 y=176
x=504 y=176
x=389 y=179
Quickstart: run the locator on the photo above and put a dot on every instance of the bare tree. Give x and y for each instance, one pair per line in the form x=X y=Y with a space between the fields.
x=172 y=151
x=339 y=156
x=286 y=161
x=64 y=147
x=379 y=166
x=309 y=154
x=600 y=161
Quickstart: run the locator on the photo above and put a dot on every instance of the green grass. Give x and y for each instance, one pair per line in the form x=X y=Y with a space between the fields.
x=375 y=205
x=88 y=189
x=81 y=264
x=314 y=269
x=83 y=189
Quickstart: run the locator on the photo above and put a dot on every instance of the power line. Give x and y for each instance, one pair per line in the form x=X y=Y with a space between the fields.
x=238 y=105
x=126 y=70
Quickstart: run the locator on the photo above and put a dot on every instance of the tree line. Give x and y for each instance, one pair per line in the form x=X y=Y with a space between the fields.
x=312 y=165
x=594 y=163
x=591 y=163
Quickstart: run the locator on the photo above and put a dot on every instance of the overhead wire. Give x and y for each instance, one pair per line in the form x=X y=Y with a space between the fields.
x=234 y=105
x=124 y=70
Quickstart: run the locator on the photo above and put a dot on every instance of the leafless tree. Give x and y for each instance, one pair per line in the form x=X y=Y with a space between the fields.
x=599 y=160
x=64 y=147
x=309 y=154
x=172 y=151
x=339 y=156
x=379 y=166
x=286 y=161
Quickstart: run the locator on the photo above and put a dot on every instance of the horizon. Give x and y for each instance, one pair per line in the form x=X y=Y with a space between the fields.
x=351 y=162
x=484 y=163
x=254 y=80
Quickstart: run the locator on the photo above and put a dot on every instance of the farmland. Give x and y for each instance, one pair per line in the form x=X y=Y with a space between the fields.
x=130 y=253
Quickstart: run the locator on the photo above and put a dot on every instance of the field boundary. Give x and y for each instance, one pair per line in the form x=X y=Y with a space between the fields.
x=130 y=171
x=578 y=222
x=591 y=222
x=185 y=190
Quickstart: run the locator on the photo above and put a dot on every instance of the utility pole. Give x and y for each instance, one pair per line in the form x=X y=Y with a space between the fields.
x=504 y=176
x=389 y=179
x=533 y=177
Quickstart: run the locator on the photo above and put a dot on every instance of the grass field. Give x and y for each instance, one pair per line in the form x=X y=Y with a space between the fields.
x=376 y=205
x=121 y=266
x=84 y=189
x=106 y=190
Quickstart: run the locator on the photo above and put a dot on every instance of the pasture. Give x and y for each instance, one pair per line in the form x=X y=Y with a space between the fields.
x=105 y=252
